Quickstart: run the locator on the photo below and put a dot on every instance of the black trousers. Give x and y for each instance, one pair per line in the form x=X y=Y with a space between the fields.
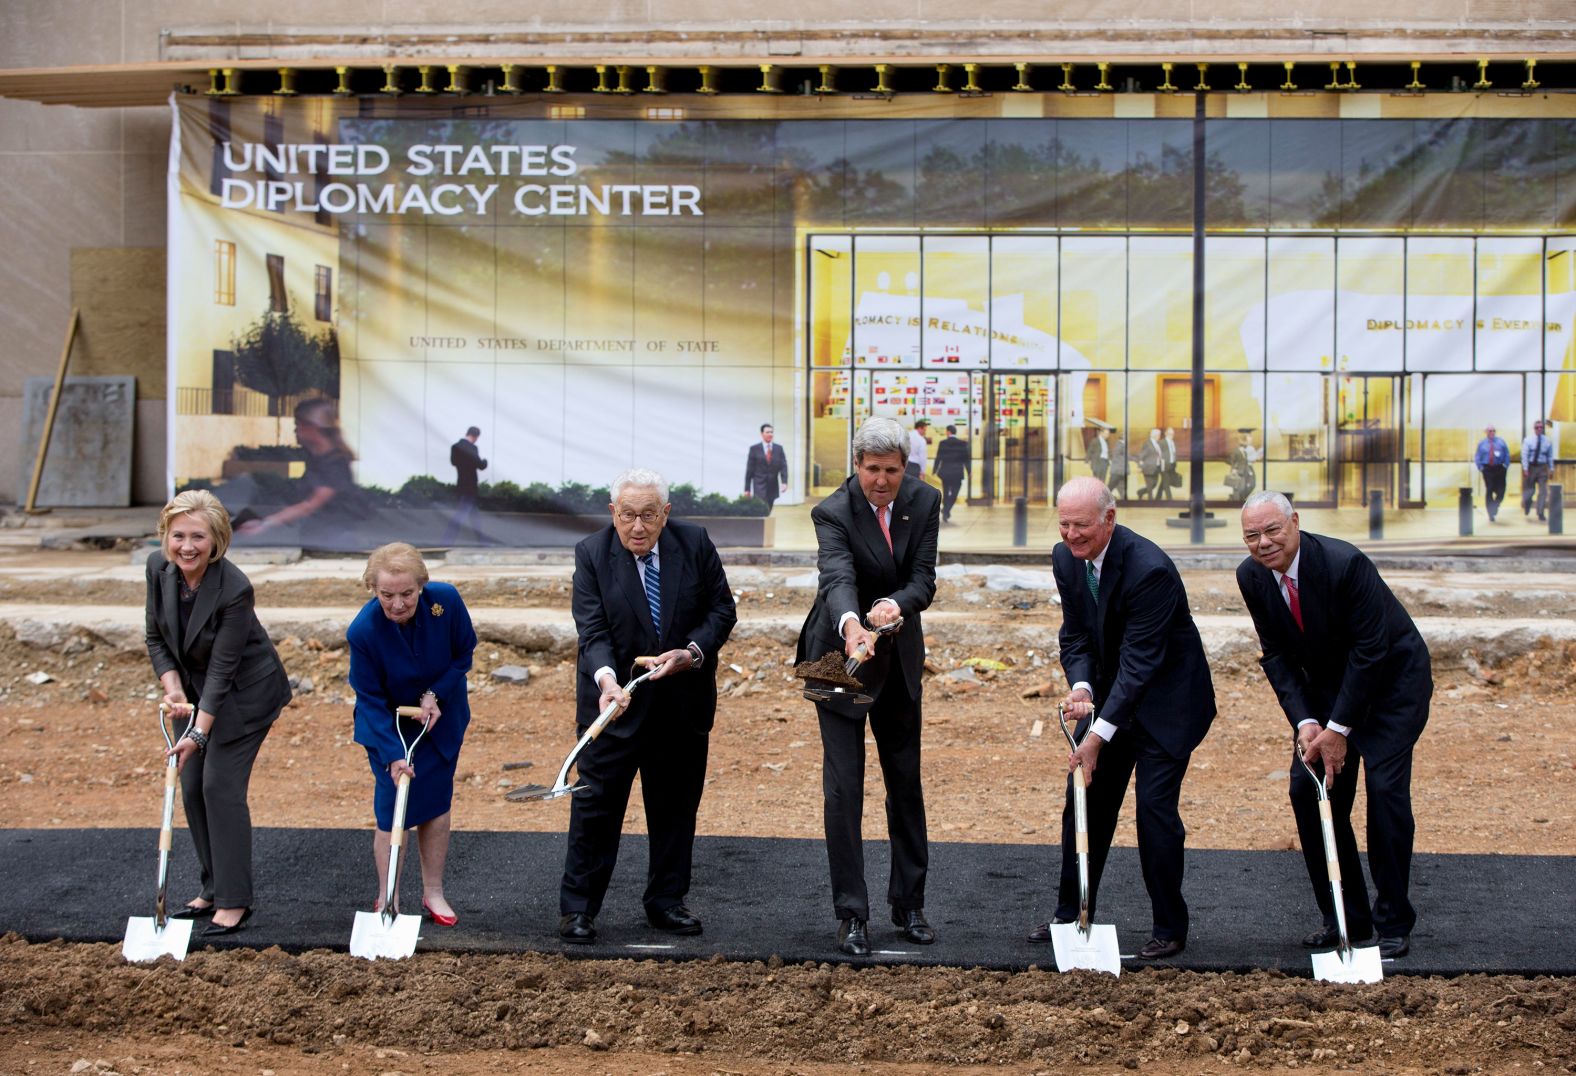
x=671 y=762
x=951 y=485
x=895 y=723
x=214 y=784
x=1390 y=830
x=1535 y=488
x=1161 y=835
x=1493 y=488
x=1151 y=484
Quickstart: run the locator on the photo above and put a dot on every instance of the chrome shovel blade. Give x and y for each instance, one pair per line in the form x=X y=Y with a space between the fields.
x=1362 y=967
x=372 y=938
x=539 y=792
x=145 y=941
x=1095 y=951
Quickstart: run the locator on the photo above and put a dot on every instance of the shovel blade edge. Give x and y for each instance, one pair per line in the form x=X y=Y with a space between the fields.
x=370 y=939
x=1364 y=966
x=145 y=942
x=1096 y=952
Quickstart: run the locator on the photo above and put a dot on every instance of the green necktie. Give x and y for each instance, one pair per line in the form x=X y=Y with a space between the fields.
x=1093 y=580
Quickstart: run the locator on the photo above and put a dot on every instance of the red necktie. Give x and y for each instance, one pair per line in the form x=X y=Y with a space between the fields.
x=886 y=530
x=1293 y=600
x=768 y=453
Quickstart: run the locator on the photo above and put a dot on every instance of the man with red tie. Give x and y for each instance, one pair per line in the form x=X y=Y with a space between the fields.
x=765 y=468
x=1352 y=675
x=876 y=537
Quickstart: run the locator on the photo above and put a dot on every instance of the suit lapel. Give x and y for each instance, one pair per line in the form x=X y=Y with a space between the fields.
x=203 y=605
x=902 y=527
x=170 y=609
x=867 y=527
x=1110 y=571
x=1311 y=580
x=626 y=570
x=671 y=583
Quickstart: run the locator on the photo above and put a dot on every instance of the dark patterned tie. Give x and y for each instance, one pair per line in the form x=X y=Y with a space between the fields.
x=653 y=582
x=1093 y=580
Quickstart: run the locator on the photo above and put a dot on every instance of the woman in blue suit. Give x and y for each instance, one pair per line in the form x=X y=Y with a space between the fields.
x=411 y=645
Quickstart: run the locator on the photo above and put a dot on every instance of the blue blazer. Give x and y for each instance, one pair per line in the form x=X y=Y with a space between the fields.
x=387 y=671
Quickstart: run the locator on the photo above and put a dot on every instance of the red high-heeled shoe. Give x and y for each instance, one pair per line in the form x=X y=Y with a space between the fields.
x=441 y=920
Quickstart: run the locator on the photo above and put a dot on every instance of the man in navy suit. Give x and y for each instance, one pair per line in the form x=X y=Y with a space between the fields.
x=765 y=468
x=876 y=536
x=1133 y=655
x=1352 y=674
x=643 y=586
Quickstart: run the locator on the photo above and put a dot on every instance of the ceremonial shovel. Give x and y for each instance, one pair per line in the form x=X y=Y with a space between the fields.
x=819 y=682
x=150 y=938
x=562 y=787
x=386 y=933
x=1083 y=944
x=1344 y=964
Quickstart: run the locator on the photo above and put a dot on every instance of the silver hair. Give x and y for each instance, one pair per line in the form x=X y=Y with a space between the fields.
x=1269 y=496
x=1104 y=499
x=641 y=479
x=880 y=437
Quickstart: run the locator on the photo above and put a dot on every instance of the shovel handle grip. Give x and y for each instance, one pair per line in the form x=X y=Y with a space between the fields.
x=1327 y=826
x=411 y=712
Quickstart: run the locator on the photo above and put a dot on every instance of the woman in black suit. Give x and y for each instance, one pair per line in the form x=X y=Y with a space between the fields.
x=210 y=652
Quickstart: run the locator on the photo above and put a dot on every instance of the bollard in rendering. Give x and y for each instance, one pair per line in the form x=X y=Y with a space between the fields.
x=1020 y=521
x=1376 y=513
x=1557 y=508
x=1464 y=511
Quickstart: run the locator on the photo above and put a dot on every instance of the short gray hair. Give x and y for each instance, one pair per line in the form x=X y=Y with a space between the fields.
x=641 y=478
x=1088 y=485
x=880 y=437
x=1269 y=496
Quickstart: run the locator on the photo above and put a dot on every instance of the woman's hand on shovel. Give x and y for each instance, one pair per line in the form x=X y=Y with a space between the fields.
x=399 y=766
x=184 y=749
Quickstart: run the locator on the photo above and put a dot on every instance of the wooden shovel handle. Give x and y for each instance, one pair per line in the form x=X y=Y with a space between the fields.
x=407 y=711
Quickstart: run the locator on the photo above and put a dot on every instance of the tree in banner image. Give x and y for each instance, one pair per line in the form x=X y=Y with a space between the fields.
x=279 y=358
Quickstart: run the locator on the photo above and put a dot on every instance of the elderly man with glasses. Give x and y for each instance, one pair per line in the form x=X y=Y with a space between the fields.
x=651 y=590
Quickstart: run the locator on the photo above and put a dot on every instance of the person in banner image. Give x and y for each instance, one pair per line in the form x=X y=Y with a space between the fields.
x=1151 y=464
x=952 y=467
x=918 y=448
x=1117 y=476
x=1241 y=474
x=1142 y=696
x=1171 y=478
x=1353 y=676
x=876 y=537
x=1537 y=460
x=1492 y=460
x=466 y=459
x=411 y=645
x=1098 y=453
x=650 y=591
x=211 y=654
x=333 y=500
x=765 y=468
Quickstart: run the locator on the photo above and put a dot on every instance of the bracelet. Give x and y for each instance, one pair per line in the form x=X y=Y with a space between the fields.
x=198 y=737
x=429 y=694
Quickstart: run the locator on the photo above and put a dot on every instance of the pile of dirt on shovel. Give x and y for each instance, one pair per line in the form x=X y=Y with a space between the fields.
x=753 y=1014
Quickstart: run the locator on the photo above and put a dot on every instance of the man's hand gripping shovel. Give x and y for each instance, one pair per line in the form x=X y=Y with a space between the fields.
x=1343 y=964
x=148 y=938
x=1083 y=944
x=386 y=933
x=562 y=787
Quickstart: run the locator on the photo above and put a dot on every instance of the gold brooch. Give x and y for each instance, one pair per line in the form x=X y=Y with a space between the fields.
x=437 y=610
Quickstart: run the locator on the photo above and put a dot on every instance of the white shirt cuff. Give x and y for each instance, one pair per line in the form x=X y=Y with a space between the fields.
x=890 y=601
x=1104 y=729
x=1082 y=684
x=842 y=622
x=1342 y=729
x=1305 y=722
x=596 y=677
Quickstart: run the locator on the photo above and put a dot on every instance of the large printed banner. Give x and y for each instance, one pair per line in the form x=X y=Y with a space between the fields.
x=452 y=323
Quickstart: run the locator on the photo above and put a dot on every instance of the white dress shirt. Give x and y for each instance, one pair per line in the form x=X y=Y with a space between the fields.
x=843 y=619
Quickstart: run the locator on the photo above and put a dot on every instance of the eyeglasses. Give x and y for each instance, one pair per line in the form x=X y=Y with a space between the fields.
x=1272 y=532
x=647 y=517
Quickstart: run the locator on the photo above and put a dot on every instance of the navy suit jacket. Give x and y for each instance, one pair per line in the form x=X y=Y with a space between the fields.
x=762 y=479
x=1138 y=648
x=614 y=623
x=856 y=568
x=1360 y=661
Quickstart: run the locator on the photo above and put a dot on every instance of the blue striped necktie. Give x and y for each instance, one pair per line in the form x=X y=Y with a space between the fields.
x=653 y=582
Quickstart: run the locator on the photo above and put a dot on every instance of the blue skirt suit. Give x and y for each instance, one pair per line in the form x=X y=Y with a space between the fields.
x=393 y=665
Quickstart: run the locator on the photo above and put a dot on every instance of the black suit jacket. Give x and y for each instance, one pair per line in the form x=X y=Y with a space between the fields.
x=467 y=460
x=614 y=622
x=1360 y=661
x=226 y=662
x=1139 y=648
x=856 y=569
x=952 y=458
x=762 y=479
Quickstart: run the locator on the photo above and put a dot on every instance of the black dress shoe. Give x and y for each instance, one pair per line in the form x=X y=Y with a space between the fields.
x=189 y=912
x=1394 y=947
x=1042 y=933
x=675 y=920
x=215 y=930
x=1161 y=948
x=1330 y=937
x=852 y=937
x=912 y=922
x=577 y=927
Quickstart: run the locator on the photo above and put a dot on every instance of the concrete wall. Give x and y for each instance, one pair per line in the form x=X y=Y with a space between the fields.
x=79 y=179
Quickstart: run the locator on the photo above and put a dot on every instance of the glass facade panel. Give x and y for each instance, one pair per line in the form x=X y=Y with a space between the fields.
x=1370 y=288
x=1023 y=296
x=1296 y=436
x=1447 y=173
x=1160 y=303
x=887 y=314
x=1298 y=321
x=1094 y=303
x=1509 y=304
x=1304 y=173
x=831 y=272
x=1020 y=173
x=1234 y=278
x=1456 y=410
x=956 y=328
x=1439 y=285
x=1559 y=340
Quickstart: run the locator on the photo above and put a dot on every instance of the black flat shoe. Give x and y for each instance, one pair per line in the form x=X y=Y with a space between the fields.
x=215 y=930
x=675 y=920
x=190 y=912
x=1042 y=933
x=1329 y=938
x=913 y=925
x=852 y=937
x=577 y=928
x=1161 y=948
